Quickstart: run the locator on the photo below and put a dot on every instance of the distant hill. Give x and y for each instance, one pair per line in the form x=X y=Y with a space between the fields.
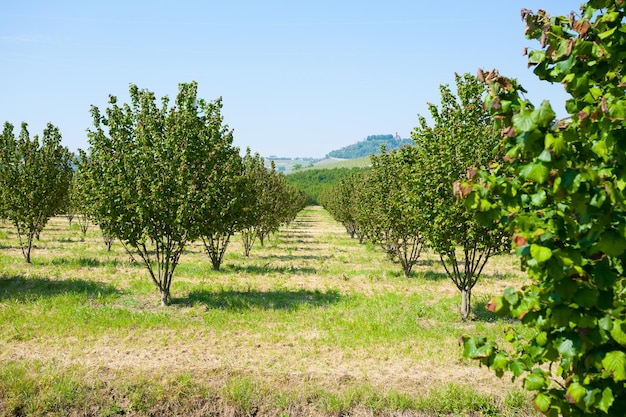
x=371 y=145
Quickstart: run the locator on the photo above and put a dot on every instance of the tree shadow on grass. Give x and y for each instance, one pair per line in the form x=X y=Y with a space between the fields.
x=292 y=257
x=297 y=235
x=83 y=262
x=421 y=261
x=480 y=313
x=253 y=299
x=433 y=276
x=269 y=269
x=24 y=289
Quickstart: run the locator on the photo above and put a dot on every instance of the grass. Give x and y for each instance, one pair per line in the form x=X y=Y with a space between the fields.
x=311 y=324
x=331 y=163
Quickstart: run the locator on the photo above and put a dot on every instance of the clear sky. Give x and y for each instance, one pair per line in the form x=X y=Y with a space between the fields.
x=298 y=78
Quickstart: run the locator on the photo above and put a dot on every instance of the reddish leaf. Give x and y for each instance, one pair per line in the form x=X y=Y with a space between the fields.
x=508 y=132
x=519 y=240
x=604 y=105
x=480 y=75
x=581 y=26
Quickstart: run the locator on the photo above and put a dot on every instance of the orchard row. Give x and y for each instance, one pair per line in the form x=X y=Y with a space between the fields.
x=154 y=177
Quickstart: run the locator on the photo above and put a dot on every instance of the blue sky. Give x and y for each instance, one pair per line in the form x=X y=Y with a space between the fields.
x=298 y=78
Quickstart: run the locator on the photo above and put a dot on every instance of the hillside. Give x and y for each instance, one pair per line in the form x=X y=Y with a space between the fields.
x=371 y=145
x=356 y=155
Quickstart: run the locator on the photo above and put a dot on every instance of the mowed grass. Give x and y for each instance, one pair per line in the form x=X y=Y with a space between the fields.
x=314 y=323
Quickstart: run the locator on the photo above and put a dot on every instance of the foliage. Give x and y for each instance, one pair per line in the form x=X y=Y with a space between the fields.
x=370 y=146
x=224 y=198
x=76 y=206
x=384 y=211
x=376 y=205
x=256 y=177
x=342 y=202
x=150 y=175
x=560 y=192
x=313 y=182
x=276 y=201
x=34 y=180
x=462 y=137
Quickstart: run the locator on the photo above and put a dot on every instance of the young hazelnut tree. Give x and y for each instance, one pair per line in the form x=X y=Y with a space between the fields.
x=148 y=176
x=35 y=177
x=462 y=138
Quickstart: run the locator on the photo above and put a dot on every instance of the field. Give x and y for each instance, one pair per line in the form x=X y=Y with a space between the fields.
x=286 y=165
x=330 y=163
x=311 y=324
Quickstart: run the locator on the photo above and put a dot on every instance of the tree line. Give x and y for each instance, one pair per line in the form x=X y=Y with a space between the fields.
x=154 y=177
x=494 y=168
x=405 y=202
x=313 y=182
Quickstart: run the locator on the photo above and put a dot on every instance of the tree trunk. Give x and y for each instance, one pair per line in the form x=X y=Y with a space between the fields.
x=466 y=298
x=407 y=265
x=108 y=241
x=248 y=237
x=27 y=254
x=165 y=297
x=215 y=246
x=26 y=248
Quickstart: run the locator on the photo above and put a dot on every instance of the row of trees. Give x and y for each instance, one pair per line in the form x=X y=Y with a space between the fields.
x=314 y=181
x=155 y=177
x=405 y=202
x=35 y=178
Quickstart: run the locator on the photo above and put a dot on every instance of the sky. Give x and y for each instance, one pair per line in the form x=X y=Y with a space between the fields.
x=297 y=78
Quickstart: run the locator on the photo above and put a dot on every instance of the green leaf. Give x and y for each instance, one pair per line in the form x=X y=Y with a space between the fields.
x=606 y=401
x=612 y=243
x=607 y=33
x=542 y=402
x=615 y=363
x=511 y=295
x=539 y=198
x=618 y=110
x=540 y=253
x=524 y=121
x=534 y=381
x=586 y=297
x=556 y=143
x=544 y=115
x=575 y=393
x=567 y=348
x=476 y=348
x=517 y=367
x=618 y=332
x=536 y=56
x=535 y=171
x=500 y=362
x=601 y=149
x=545 y=156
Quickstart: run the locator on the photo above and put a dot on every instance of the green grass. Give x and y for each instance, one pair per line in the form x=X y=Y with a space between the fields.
x=313 y=323
x=331 y=163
